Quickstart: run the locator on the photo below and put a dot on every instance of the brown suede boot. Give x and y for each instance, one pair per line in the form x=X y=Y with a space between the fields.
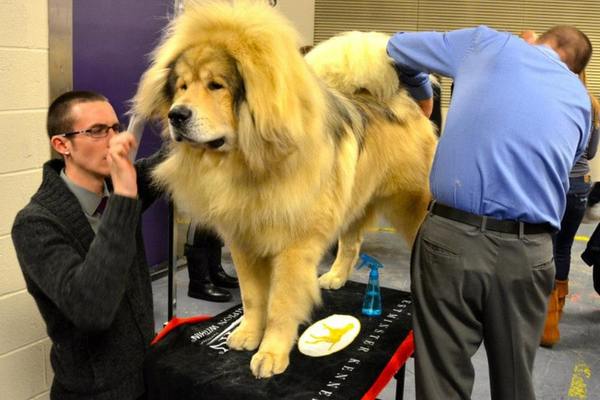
x=562 y=288
x=551 y=333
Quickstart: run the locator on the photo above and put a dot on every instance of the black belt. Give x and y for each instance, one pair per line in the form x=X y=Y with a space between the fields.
x=489 y=223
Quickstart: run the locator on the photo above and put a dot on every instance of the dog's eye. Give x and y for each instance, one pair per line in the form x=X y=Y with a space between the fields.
x=214 y=86
x=183 y=87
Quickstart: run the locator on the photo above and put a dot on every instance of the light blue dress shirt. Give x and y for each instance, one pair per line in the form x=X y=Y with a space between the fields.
x=517 y=121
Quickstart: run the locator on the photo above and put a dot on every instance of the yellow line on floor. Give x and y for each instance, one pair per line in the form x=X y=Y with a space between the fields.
x=582 y=238
x=578 y=388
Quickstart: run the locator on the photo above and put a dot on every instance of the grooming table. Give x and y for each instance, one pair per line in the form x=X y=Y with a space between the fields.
x=189 y=359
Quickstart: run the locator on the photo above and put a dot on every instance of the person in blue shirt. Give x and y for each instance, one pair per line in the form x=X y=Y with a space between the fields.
x=482 y=268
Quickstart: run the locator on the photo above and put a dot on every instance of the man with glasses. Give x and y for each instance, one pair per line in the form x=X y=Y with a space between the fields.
x=80 y=248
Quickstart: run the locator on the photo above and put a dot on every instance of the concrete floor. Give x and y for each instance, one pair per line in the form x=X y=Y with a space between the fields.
x=570 y=370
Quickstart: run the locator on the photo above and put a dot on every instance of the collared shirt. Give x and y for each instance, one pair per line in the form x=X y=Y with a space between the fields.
x=88 y=200
x=518 y=120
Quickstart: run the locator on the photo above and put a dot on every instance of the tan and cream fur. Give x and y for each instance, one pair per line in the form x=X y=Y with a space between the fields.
x=279 y=163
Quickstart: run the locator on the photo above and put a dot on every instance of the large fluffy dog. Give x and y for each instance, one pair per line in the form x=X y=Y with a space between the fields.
x=278 y=163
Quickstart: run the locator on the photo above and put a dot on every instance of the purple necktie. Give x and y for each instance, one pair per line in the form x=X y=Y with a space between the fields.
x=102 y=205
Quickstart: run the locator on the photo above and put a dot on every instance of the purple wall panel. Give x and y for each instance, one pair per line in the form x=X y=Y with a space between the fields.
x=111 y=42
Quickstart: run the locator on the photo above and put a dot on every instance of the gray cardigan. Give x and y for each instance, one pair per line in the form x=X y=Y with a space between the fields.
x=93 y=291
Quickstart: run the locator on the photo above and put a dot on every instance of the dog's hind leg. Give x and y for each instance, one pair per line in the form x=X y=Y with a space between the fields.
x=406 y=213
x=254 y=277
x=294 y=292
x=347 y=254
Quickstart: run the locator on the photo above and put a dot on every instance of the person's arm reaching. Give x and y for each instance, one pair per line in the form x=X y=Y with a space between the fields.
x=418 y=54
x=427 y=52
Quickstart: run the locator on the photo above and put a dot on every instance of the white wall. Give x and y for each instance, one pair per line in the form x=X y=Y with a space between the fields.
x=302 y=14
x=25 y=371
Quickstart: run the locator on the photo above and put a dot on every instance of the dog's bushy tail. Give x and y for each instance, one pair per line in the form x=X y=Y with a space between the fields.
x=356 y=62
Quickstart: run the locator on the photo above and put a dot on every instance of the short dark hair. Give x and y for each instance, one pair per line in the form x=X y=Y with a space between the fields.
x=574 y=43
x=59 y=113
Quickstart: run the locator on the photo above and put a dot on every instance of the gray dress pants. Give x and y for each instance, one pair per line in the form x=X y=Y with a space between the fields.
x=469 y=286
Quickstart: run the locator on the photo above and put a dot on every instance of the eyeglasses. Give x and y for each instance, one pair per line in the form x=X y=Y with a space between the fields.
x=97 y=131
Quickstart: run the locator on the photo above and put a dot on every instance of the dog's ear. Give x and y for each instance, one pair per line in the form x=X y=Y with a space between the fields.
x=152 y=97
x=262 y=146
x=280 y=95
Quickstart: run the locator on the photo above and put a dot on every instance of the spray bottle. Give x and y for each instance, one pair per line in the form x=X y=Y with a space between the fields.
x=372 y=302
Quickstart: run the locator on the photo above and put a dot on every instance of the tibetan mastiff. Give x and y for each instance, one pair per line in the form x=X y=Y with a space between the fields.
x=265 y=151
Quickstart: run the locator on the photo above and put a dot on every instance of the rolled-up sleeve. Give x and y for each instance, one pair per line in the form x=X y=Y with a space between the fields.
x=417 y=83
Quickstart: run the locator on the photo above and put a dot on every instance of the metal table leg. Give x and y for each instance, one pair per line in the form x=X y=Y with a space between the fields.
x=400 y=383
x=172 y=266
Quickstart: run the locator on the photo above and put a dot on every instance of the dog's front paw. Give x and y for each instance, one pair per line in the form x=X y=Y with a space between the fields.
x=244 y=338
x=331 y=280
x=265 y=364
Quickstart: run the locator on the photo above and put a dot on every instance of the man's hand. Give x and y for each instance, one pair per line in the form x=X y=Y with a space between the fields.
x=122 y=171
x=427 y=106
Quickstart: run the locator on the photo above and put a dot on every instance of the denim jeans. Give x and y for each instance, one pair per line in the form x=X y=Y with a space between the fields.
x=563 y=240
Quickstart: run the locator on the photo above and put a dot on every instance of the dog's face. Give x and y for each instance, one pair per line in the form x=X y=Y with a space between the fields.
x=205 y=89
x=232 y=87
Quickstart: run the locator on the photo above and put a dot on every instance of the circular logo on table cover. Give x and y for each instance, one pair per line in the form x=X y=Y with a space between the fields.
x=328 y=335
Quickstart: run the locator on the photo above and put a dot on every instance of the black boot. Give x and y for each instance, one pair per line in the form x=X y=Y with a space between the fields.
x=217 y=274
x=200 y=286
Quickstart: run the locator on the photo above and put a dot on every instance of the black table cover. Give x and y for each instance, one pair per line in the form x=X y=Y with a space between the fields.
x=193 y=361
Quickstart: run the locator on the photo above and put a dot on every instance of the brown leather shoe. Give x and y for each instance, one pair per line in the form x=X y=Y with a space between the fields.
x=551 y=334
x=562 y=288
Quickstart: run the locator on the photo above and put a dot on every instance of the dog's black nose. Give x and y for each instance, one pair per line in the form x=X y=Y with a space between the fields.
x=179 y=115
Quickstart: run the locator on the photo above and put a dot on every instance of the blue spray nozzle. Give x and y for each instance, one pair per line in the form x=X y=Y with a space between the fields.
x=372 y=301
x=371 y=262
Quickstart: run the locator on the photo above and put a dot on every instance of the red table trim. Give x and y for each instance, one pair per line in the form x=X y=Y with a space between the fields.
x=175 y=322
x=405 y=350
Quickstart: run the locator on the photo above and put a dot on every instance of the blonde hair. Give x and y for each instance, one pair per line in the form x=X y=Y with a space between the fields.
x=593 y=99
